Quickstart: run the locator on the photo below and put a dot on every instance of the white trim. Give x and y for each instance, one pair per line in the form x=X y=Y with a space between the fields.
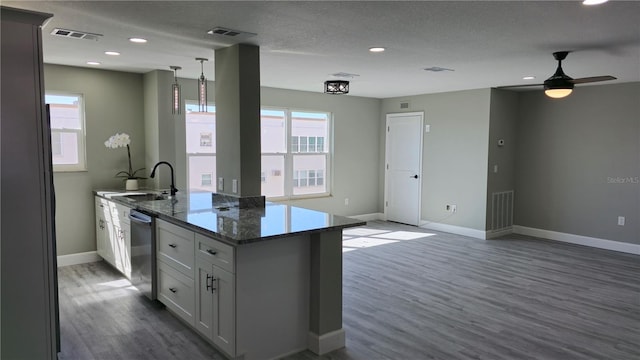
x=78 y=258
x=368 y=217
x=458 y=230
x=328 y=342
x=579 y=239
x=492 y=234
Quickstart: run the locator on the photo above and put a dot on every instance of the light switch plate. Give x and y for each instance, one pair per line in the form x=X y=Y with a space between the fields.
x=220 y=184
x=234 y=186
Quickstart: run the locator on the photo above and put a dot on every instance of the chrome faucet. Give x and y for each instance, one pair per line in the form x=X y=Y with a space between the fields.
x=153 y=174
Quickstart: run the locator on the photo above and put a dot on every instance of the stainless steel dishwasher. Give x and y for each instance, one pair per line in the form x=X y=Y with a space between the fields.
x=143 y=250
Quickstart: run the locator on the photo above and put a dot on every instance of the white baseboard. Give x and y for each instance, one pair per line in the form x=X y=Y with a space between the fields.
x=78 y=258
x=453 y=229
x=326 y=342
x=578 y=239
x=369 y=217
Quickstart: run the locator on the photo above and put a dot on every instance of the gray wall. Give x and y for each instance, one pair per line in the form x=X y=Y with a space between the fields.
x=355 y=162
x=455 y=151
x=113 y=103
x=503 y=121
x=578 y=162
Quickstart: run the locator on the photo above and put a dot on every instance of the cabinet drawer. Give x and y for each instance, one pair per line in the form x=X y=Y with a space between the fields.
x=175 y=247
x=215 y=252
x=176 y=291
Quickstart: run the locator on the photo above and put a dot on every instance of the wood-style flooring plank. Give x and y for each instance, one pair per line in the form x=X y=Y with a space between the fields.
x=409 y=293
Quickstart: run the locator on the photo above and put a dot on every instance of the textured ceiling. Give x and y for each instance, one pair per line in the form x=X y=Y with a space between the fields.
x=486 y=43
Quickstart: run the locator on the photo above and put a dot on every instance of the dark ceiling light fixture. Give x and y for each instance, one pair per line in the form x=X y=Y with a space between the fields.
x=559 y=85
x=202 y=87
x=336 y=87
x=176 y=102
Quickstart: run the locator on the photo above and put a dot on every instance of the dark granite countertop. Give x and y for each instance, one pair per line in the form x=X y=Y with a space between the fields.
x=230 y=224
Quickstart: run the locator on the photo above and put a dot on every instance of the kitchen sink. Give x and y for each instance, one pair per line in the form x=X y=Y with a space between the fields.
x=145 y=197
x=139 y=196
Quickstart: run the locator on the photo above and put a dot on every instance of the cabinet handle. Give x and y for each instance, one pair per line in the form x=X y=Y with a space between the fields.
x=209 y=287
x=212 y=287
x=173 y=290
x=173 y=245
x=211 y=252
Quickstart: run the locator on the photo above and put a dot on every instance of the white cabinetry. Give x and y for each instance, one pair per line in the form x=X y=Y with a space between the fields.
x=215 y=293
x=175 y=255
x=113 y=234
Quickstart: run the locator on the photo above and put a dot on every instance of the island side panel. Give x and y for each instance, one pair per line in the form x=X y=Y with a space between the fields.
x=325 y=318
x=272 y=297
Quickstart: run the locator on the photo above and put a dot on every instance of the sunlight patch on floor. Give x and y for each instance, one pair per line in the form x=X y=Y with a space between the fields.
x=361 y=238
x=119 y=284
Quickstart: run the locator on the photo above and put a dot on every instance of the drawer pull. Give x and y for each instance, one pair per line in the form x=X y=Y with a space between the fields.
x=173 y=290
x=212 y=252
x=173 y=245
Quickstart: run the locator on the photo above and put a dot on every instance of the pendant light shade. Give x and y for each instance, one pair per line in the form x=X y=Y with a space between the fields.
x=176 y=101
x=336 y=87
x=202 y=87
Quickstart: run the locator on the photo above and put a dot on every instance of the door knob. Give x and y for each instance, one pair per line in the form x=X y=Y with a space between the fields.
x=414 y=176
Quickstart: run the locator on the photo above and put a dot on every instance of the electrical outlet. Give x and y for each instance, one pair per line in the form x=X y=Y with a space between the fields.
x=234 y=186
x=346 y=201
x=621 y=220
x=220 y=184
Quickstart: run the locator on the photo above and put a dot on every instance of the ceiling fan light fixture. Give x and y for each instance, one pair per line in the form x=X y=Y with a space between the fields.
x=336 y=87
x=558 y=87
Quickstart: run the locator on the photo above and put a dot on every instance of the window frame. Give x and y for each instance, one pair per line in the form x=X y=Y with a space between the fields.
x=289 y=155
x=81 y=135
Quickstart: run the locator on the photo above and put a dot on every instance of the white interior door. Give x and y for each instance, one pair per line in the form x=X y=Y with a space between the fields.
x=403 y=168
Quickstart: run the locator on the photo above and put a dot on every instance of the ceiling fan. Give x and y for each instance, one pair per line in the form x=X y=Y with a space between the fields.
x=560 y=85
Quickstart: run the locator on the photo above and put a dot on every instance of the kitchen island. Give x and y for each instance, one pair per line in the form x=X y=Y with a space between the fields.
x=258 y=282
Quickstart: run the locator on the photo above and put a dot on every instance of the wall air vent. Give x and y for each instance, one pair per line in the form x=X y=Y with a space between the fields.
x=437 y=69
x=74 y=34
x=230 y=34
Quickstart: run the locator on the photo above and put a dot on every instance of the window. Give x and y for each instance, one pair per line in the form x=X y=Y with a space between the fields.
x=305 y=164
x=200 y=130
x=295 y=156
x=67 y=131
x=205 y=179
x=206 y=140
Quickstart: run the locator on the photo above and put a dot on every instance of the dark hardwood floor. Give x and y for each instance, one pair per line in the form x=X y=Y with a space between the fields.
x=409 y=293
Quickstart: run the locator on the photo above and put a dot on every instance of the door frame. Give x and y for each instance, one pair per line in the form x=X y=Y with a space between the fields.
x=390 y=117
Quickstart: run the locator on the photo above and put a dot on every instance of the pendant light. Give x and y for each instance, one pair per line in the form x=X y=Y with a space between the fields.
x=176 y=102
x=202 y=87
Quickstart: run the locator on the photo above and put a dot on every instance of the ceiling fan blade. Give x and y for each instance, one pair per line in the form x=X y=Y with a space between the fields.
x=593 y=79
x=517 y=86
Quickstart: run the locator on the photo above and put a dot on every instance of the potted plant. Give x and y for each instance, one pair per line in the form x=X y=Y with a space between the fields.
x=118 y=141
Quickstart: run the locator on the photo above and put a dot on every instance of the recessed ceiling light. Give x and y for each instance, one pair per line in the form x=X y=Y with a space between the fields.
x=113 y=53
x=93 y=63
x=528 y=78
x=138 y=40
x=594 y=2
x=377 y=49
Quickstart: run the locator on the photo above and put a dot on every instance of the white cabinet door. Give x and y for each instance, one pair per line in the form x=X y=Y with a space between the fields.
x=224 y=310
x=204 y=298
x=104 y=230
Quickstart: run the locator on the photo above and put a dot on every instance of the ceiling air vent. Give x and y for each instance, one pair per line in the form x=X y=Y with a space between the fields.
x=437 y=69
x=74 y=34
x=230 y=34
x=344 y=75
